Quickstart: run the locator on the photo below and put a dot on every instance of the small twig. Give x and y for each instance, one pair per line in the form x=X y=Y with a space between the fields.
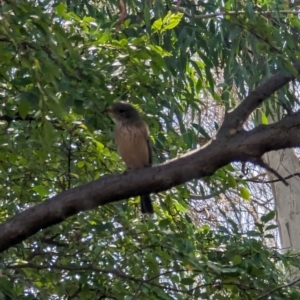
x=245 y=170
x=278 y=288
x=123 y=13
x=271 y=181
x=206 y=197
x=233 y=13
x=262 y=164
x=17 y=117
x=178 y=5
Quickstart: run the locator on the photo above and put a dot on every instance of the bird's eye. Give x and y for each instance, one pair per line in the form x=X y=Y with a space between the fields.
x=121 y=111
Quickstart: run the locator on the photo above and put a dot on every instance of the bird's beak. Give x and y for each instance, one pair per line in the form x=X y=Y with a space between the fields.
x=108 y=110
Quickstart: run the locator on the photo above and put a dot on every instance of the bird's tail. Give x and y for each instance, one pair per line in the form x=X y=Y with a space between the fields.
x=146 y=204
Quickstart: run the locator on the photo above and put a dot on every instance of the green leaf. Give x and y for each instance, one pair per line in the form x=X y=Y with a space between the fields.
x=187 y=281
x=81 y=164
x=41 y=190
x=214 y=267
x=271 y=227
x=103 y=38
x=157 y=25
x=269 y=236
x=264 y=119
x=201 y=130
x=245 y=193
x=171 y=20
x=7 y=289
x=23 y=108
x=164 y=223
x=224 y=229
x=60 y=9
x=231 y=181
x=237 y=259
x=159 y=50
x=253 y=233
x=268 y=217
x=147 y=18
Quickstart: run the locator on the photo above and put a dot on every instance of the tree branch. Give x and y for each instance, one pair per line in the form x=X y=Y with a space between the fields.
x=233 y=13
x=224 y=149
x=117 y=272
x=278 y=288
x=235 y=118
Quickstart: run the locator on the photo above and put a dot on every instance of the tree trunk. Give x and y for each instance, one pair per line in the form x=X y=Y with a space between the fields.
x=287 y=198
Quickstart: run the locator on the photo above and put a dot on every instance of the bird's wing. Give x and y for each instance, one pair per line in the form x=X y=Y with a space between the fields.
x=149 y=151
x=146 y=134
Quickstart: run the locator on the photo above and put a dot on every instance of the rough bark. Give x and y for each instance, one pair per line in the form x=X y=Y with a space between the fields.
x=287 y=200
x=231 y=144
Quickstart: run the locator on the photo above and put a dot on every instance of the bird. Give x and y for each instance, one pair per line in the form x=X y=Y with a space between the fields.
x=133 y=142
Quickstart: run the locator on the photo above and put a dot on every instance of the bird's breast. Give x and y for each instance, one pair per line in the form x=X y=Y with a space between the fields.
x=132 y=145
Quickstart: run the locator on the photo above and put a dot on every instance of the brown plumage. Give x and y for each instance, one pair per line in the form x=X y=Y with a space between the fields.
x=132 y=139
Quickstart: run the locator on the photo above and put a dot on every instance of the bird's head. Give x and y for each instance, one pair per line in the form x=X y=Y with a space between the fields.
x=123 y=112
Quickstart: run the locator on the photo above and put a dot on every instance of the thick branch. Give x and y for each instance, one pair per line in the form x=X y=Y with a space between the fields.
x=234 y=119
x=242 y=146
x=233 y=13
x=227 y=147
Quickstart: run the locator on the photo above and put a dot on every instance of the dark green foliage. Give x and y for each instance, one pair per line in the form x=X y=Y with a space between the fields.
x=62 y=63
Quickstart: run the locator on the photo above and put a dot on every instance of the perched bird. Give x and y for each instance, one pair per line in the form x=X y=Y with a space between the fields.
x=132 y=139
